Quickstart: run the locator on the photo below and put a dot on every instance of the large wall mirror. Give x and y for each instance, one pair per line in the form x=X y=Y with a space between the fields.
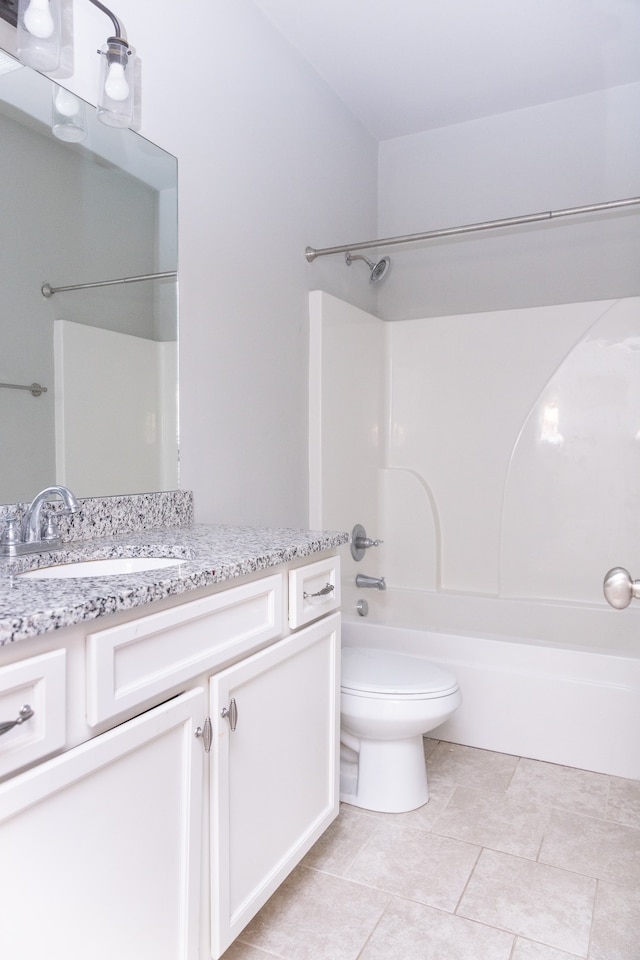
x=76 y=213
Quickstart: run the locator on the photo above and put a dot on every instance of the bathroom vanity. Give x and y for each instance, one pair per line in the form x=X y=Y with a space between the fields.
x=182 y=753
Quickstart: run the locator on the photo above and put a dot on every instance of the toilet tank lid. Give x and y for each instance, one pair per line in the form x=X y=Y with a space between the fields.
x=387 y=672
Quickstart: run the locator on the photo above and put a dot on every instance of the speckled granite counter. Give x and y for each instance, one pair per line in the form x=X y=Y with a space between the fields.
x=211 y=553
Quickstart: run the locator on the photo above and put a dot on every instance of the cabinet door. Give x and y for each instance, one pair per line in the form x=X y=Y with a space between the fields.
x=274 y=779
x=99 y=846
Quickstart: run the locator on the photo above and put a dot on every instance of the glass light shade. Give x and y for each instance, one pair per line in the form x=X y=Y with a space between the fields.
x=115 y=98
x=68 y=119
x=39 y=32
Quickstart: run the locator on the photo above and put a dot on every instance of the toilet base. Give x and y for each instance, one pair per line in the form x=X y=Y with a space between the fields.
x=389 y=776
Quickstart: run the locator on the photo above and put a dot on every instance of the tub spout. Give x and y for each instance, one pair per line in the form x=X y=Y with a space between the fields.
x=362 y=580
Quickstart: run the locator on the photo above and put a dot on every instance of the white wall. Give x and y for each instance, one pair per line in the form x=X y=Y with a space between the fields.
x=268 y=162
x=563 y=154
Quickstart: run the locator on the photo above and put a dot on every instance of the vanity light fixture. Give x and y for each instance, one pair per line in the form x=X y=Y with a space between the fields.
x=39 y=34
x=39 y=45
x=115 y=98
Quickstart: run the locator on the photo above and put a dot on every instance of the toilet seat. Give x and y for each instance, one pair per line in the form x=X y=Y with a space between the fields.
x=383 y=675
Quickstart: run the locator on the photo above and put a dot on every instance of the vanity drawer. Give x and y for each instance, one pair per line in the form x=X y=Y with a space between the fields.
x=39 y=683
x=134 y=662
x=314 y=590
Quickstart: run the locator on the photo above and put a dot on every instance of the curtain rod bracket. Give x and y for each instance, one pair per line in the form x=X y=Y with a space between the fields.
x=35 y=389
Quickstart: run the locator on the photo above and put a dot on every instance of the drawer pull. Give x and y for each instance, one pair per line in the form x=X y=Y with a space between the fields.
x=231 y=714
x=326 y=590
x=25 y=714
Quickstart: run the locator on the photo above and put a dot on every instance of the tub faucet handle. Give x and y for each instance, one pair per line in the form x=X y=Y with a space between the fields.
x=367 y=542
x=361 y=542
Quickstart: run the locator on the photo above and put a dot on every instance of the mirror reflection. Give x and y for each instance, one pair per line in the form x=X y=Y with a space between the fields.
x=76 y=213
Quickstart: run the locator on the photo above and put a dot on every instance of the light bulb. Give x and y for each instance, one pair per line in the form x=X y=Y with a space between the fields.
x=66 y=104
x=116 y=86
x=38 y=20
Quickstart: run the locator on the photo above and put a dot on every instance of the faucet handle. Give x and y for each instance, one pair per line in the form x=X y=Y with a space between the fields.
x=50 y=527
x=11 y=532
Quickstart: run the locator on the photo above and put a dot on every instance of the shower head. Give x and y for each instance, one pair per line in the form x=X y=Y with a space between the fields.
x=378 y=269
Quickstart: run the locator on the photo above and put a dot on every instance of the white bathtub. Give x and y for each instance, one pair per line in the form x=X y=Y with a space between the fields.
x=565 y=688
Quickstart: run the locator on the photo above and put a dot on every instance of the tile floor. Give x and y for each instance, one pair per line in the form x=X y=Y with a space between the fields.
x=511 y=859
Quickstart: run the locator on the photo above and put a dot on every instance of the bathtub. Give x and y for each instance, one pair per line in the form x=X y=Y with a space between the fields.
x=554 y=682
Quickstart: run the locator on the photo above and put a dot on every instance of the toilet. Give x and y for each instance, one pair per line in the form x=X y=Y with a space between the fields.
x=388 y=701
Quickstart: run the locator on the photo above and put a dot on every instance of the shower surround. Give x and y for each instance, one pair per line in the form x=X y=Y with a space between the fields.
x=497 y=455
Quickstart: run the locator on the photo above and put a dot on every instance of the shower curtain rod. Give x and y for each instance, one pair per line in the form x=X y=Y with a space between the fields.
x=311 y=253
x=48 y=291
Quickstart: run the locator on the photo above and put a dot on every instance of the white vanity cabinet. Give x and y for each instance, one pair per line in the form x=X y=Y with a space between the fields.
x=99 y=846
x=159 y=831
x=274 y=770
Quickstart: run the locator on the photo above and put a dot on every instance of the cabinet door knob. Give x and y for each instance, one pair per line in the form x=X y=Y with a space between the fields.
x=25 y=714
x=231 y=714
x=206 y=732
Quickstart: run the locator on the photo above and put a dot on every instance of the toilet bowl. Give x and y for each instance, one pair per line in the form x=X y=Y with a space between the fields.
x=388 y=701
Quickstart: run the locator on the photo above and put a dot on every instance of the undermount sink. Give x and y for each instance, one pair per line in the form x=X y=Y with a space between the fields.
x=108 y=567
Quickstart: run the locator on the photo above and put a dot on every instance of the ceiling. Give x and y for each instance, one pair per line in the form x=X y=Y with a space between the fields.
x=404 y=66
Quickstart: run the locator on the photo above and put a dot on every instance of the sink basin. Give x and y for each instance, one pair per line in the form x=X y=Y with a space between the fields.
x=109 y=567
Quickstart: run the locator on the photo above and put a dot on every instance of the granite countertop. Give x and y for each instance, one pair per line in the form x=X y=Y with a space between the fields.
x=212 y=554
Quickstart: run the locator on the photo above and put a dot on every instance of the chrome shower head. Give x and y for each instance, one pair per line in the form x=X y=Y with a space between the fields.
x=378 y=269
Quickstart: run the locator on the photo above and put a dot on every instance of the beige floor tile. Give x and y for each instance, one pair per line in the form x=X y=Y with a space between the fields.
x=338 y=847
x=482 y=769
x=595 y=848
x=429 y=746
x=494 y=821
x=412 y=931
x=314 y=916
x=535 y=901
x=623 y=805
x=616 y=924
x=375 y=886
x=411 y=863
x=579 y=791
x=528 y=950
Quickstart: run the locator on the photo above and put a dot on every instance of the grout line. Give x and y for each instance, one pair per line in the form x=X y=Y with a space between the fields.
x=454 y=912
x=605 y=815
x=515 y=769
x=544 y=831
x=375 y=927
x=593 y=917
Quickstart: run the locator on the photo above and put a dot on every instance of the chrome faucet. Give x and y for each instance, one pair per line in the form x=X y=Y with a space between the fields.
x=362 y=580
x=32 y=524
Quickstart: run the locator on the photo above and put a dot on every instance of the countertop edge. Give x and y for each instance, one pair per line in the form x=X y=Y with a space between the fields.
x=211 y=554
